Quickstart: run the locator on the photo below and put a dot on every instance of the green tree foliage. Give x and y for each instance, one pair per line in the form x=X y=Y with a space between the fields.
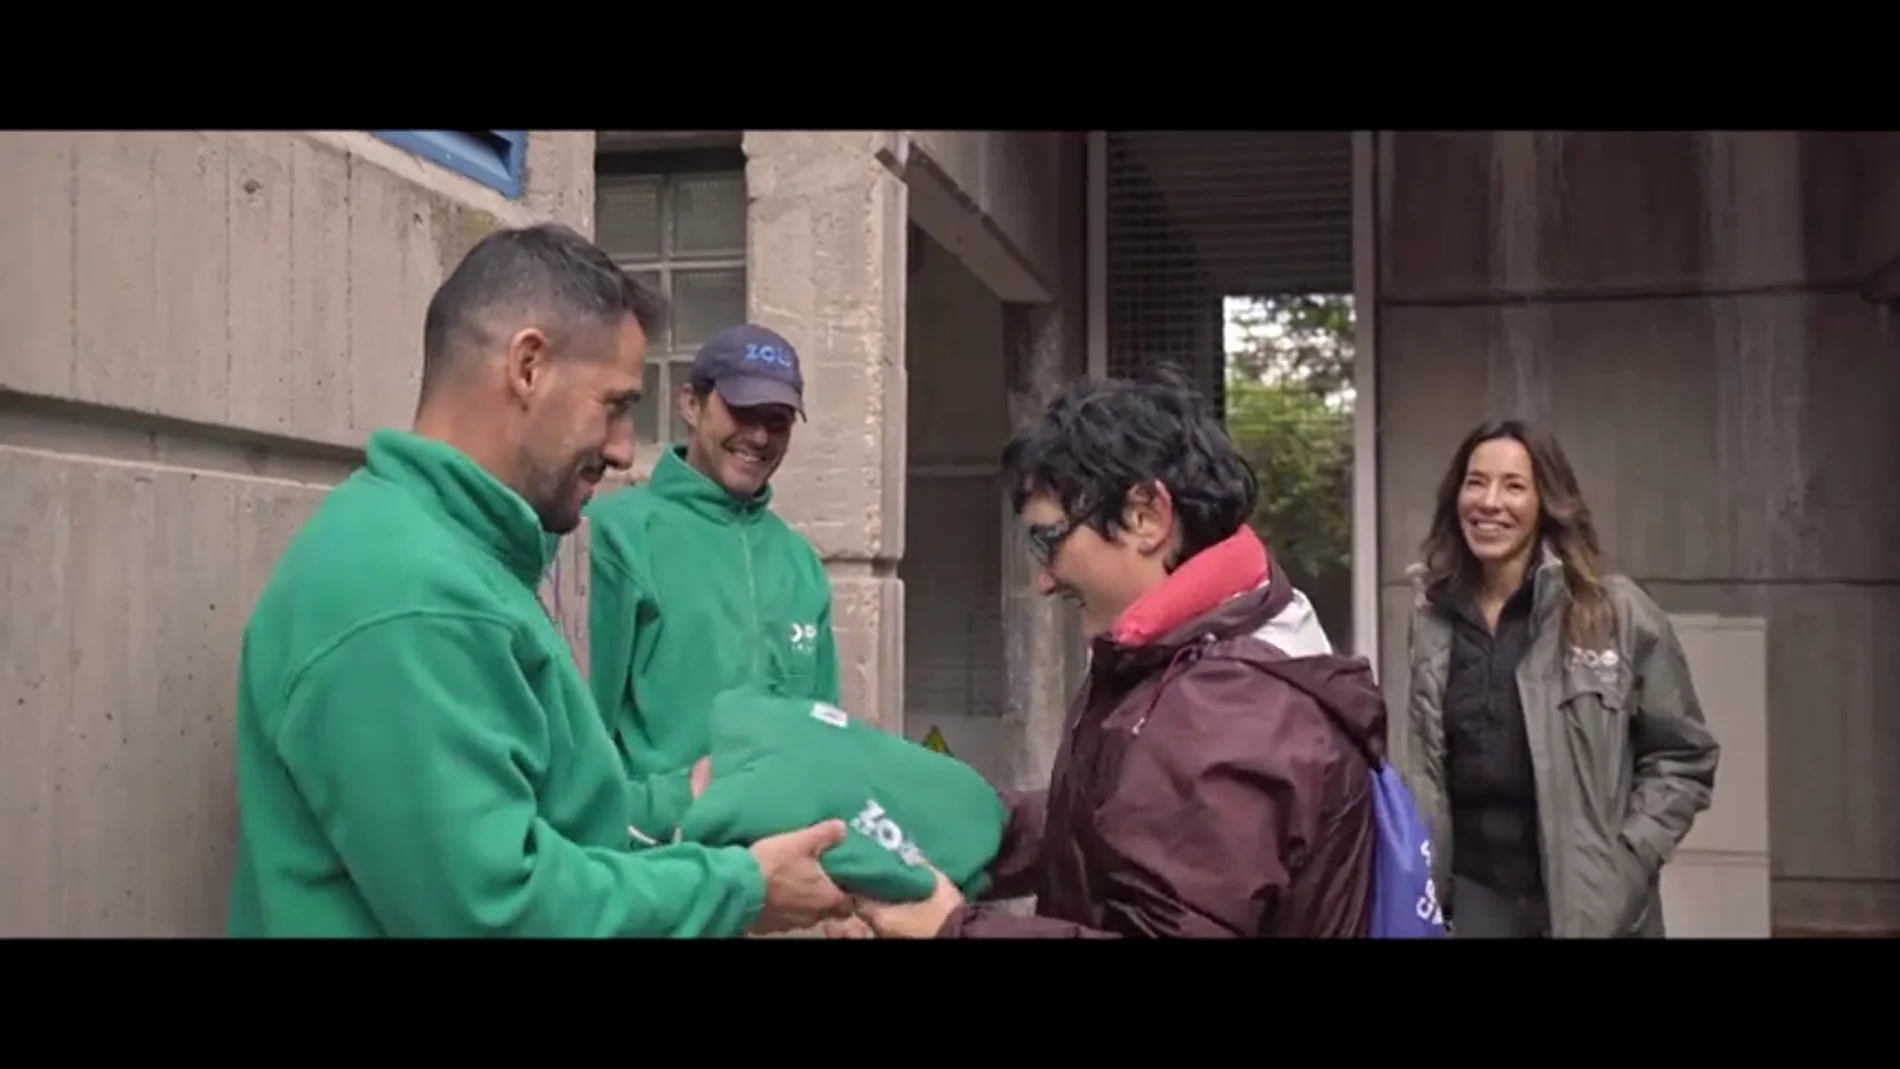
x=1289 y=409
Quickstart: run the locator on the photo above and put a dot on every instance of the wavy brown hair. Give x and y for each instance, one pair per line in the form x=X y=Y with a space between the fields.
x=1563 y=524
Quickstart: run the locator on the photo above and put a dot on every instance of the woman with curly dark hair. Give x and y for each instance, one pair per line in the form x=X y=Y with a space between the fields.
x=1553 y=736
x=1213 y=779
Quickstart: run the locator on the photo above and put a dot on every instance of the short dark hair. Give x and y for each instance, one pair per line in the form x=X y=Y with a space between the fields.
x=1098 y=440
x=547 y=267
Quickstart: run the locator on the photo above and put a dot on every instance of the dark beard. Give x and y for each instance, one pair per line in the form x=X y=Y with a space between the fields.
x=552 y=497
x=557 y=523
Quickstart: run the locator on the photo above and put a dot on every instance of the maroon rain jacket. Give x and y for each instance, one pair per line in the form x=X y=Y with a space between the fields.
x=1202 y=790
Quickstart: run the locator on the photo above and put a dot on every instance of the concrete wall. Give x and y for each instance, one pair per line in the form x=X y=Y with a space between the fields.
x=205 y=326
x=826 y=244
x=828 y=251
x=1880 y=248
x=993 y=197
x=1683 y=309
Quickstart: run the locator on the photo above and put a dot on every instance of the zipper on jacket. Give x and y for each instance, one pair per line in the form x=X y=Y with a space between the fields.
x=752 y=591
x=1182 y=658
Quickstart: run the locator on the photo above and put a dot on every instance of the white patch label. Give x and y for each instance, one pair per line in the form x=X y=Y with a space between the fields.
x=830 y=714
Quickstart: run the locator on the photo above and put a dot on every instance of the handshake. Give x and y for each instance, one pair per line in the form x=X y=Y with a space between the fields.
x=799 y=894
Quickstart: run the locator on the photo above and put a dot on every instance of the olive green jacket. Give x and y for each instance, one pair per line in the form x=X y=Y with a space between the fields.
x=1622 y=756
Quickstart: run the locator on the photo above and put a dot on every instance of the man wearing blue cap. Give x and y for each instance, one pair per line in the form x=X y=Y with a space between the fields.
x=698 y=586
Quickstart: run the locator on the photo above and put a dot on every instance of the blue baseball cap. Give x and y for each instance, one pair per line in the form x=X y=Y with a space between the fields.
x=750 y=365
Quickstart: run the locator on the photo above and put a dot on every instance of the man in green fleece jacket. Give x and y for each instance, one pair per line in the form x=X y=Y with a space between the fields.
x=698 y=586
x=417 y=754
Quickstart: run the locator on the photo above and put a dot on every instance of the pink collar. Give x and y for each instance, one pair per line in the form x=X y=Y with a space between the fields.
x=1225 y=570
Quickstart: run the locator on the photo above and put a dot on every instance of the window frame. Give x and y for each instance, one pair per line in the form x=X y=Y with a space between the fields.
x=500 y=169
x=669 y=168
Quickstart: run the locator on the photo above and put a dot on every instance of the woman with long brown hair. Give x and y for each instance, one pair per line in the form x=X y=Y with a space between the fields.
x=1553 y=736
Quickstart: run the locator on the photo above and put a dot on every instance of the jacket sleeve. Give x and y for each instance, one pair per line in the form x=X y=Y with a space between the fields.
x=1211 y=797
x=418 y=743
x=1018 y=858
x=614 y=603
x=659 y=803
x=1674 y=751
x=616 y=600
x=997 y=922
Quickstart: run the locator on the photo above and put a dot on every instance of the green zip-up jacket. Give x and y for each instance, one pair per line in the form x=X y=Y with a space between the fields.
x=417 y=754
x=695 y=592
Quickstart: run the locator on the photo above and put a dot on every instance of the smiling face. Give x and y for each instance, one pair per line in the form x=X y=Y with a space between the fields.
x=1101 y=576
x=579 y=422
x=738 y=448
x=1498 y=505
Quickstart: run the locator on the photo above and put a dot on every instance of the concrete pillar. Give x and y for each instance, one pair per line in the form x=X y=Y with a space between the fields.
x=1036 y=629
x=560 y=188
x=826 y=246
x=1045 y=348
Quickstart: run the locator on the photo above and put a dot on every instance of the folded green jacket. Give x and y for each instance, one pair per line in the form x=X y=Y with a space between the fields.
x=780 y=764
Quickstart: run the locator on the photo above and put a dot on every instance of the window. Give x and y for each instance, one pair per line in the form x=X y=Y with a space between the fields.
x=677 y=223
x=491 y=157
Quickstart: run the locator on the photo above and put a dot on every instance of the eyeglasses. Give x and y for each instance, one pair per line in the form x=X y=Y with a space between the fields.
x=1046 y=538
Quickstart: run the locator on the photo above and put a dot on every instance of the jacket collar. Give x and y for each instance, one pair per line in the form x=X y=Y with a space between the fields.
x=677 y=481
x=1548 y=593
x=1229 y=588
x=466 y=499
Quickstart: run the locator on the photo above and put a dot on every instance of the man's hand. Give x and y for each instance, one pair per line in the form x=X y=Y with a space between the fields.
x=700 y=776
x=913 y=920
x=798 y=894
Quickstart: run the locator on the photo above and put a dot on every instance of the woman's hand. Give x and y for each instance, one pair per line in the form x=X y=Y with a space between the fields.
x=847 y=928
x=913 y=920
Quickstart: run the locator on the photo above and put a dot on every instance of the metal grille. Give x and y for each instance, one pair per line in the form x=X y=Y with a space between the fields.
x=1196 y=216
x=682 y=233
x=1230 y=253
x=953 y=598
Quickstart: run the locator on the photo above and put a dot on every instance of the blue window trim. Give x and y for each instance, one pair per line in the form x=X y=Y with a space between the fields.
x=497 y=167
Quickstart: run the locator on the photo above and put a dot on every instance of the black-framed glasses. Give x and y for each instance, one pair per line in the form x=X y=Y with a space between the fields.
x=1046 y=538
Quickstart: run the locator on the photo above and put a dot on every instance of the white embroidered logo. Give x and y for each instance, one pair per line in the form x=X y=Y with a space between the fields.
x=804 y=637
x=1601 y=663
x=1427 y=907
x=884 y=832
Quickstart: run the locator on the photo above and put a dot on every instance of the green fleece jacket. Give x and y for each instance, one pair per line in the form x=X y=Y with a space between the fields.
x=417 y=754
x=695 y=592
x=779 y=764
